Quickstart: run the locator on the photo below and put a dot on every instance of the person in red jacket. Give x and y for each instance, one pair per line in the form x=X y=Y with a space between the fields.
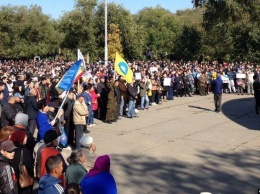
x=94 y=97
x=51 y=142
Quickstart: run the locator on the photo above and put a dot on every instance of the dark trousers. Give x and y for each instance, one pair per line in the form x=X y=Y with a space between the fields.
x=32 y=125
x=257 y=104
x=117 y=110
x=217 y=101
x=153 y=96
x=78 y=134
x=102 y=110
x=179 y=92
x=69 y=130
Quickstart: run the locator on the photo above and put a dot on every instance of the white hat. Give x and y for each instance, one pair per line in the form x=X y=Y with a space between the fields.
x=86 y=141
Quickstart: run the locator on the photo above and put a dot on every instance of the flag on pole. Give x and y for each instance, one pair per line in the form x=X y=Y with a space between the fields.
x=123 y=69
x=74 y=73
x=81 y=57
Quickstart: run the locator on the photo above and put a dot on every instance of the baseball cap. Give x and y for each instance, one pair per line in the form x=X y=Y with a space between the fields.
x=7 y=146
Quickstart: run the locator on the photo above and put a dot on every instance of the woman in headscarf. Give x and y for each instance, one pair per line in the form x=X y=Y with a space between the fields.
x=99 y=180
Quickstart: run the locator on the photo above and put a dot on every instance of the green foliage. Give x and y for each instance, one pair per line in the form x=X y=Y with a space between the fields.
x=159 y=29
x=79 y=29
x=197 y=3
x=188 y=44
x=26 y=32
x=227 y=29
x=233 y=29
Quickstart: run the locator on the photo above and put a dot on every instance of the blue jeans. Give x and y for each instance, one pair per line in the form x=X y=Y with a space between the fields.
x=146 y=99
x=90 y=118
x=131 y=108
x=122 y=107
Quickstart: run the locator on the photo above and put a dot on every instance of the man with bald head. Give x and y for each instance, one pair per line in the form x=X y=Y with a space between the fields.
x=8 y=112
x=31 y=109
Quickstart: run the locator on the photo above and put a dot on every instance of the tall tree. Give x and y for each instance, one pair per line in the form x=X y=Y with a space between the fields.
x=26 y=32
x=114 y=41
x=160 y=29
x=188 y=43
x=233 y=29
x=78 y=27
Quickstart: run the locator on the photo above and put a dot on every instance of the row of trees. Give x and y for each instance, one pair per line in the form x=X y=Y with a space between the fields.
x=226 y=29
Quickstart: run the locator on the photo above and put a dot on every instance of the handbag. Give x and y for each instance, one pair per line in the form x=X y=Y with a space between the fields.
x=25 y=180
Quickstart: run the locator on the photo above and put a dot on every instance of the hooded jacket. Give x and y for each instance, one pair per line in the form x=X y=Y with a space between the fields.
x=50 y=185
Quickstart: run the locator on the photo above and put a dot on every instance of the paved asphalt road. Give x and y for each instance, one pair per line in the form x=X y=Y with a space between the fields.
x=183 y=146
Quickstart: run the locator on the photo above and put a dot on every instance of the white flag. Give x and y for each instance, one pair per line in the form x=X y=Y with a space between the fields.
x=80 y=56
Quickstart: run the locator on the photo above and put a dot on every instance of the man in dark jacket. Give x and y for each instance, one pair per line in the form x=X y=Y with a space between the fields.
x=118 y=99
x=8 y=112
x=8 y=182
x=31 y=110
x=216 y=87
x=256 y=86
x=3 y=87
x=6 y=91
x=132 y=93
x=68 y=117
x=43 y=91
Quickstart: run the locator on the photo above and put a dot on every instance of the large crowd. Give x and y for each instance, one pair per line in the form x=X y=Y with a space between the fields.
x=31 y=129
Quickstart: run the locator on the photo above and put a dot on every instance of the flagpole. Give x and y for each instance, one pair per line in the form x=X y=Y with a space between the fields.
x=106 y=49
x=61 y=105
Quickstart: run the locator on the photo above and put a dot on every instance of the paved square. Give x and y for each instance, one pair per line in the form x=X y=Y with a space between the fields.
x=182 y=146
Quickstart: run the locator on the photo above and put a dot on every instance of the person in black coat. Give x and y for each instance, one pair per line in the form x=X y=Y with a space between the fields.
x=19 y=139
x=20 y=82
x=68 y=117
x=102 y=101
x=31 y=110
x=118 y=99
x=179 y=84
x=8 y=112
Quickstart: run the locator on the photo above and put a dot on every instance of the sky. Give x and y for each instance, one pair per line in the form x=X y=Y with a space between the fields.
x=56 y=8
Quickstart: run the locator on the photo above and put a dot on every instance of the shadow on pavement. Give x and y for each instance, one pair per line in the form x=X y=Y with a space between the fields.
x=242 y=111
x=236 y=172
x=200 y=108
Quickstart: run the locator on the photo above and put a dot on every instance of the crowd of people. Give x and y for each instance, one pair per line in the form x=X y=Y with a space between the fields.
x=31 y=124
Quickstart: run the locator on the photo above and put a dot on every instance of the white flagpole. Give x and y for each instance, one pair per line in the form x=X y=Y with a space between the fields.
x=106 y=49
x=61 y=105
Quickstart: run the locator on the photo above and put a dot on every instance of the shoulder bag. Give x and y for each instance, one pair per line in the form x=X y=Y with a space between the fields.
x=25 y=180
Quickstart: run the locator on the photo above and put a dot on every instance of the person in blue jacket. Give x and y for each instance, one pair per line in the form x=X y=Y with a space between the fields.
x=50 y=183
x=216 y=88
x=99 y=180
x=43 y=122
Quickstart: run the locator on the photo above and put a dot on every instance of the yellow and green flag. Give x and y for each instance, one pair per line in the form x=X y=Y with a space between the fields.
x=123 y=69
